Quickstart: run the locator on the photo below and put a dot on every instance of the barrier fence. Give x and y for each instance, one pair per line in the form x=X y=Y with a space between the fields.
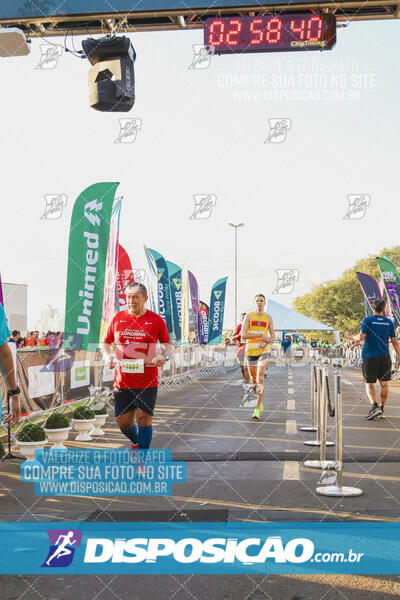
x=51 y=379
x=320 y=397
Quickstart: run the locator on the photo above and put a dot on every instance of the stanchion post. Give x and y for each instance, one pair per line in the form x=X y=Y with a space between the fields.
x=318 y=393
x=338 y=490
x=314 y=385
x=322 y=463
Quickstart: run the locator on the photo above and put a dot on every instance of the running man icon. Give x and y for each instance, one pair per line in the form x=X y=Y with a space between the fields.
x=61 y=550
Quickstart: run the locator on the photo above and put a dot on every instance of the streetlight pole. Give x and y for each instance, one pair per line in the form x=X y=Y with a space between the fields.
x=236 y=228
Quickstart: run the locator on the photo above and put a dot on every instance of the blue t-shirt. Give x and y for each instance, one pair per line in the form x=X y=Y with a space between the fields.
x=378 y=330
x=286 y=342
x=4 y=334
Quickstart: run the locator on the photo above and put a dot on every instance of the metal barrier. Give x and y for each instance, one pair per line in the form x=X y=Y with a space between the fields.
x=314 y=391
x=338 y=490
x=322 y=399
x=188 y=365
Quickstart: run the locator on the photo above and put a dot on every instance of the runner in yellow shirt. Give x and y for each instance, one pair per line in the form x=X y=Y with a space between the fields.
x=258 y=331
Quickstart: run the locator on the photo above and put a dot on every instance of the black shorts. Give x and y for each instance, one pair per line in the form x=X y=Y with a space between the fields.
x=253 y=360
x=126 y=400
x=377 y=367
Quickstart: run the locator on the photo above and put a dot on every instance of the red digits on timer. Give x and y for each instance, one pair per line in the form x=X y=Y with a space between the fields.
x=216 y=37
x=258 y=31
x=301 y=30
x=232 y=41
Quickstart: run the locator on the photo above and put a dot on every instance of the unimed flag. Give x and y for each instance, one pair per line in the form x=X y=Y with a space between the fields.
x=164 y=295
x=175 y=284
x=87 y=257
x=216 y=315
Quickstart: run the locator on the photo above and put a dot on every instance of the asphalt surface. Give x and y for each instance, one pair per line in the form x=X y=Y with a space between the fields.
x=237 y=470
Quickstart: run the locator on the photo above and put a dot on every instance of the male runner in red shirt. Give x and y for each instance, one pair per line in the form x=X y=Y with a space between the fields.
x=135 y=333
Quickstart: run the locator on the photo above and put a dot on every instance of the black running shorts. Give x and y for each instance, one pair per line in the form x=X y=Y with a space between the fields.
x=377 y=367
x=253 y=360
x=126 y=400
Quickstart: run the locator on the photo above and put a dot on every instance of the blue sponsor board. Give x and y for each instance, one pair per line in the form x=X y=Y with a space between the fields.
x=196 y=548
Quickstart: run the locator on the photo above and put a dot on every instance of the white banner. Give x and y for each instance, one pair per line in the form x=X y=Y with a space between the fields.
x=80 y=374
x=40 y=383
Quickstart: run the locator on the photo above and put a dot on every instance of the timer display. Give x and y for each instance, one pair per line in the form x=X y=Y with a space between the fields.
x=270 y=33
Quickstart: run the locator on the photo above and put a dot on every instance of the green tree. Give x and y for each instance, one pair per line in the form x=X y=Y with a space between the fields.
x=340 y=302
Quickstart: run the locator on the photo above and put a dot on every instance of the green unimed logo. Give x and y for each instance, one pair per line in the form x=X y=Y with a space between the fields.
x=217 y=294
x=80 y=373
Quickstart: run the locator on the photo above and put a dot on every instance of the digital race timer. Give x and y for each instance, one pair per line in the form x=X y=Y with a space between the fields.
x=270 y=33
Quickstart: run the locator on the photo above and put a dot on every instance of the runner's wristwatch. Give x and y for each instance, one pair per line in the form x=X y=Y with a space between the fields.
x=13 y=392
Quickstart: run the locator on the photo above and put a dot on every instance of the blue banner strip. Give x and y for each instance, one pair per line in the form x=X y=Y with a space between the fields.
x=196 y=548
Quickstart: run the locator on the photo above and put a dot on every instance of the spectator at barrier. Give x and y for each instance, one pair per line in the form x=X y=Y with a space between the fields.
x=15 y=336
x=287 y=346
x=8 y=372
x=29 y=339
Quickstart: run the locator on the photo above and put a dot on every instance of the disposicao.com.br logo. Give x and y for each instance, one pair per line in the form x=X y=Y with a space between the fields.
x=247 y=551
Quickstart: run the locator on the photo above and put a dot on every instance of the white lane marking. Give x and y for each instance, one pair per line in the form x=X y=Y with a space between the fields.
x=291 y=427
x=291 y=405
x=290 y=390
x=291 y=471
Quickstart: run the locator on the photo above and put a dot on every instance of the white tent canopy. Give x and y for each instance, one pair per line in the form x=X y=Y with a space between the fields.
x=285 y=318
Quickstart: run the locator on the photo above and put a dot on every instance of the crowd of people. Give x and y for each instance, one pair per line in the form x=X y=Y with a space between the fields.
x=52 y=339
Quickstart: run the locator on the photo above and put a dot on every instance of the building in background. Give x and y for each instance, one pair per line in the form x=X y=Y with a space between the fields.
x=51 y=319
x=16 y=305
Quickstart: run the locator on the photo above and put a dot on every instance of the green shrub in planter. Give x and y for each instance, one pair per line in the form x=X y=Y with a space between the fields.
x=31 y=433
x=83 y=412
x=99 y=407
x=2 y=451
x=57 y=421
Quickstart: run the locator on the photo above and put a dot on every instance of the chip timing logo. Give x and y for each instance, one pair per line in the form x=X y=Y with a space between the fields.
x=192 y=550
x=62 y=547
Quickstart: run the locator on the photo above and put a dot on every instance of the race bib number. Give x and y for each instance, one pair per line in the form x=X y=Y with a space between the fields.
x=133 y=365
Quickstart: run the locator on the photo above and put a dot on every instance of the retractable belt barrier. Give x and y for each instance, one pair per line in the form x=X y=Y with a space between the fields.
x=320 y=407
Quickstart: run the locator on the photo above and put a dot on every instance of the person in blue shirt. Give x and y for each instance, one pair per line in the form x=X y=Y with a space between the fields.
x=376 y=332
x=8 y=372
x=287 y=349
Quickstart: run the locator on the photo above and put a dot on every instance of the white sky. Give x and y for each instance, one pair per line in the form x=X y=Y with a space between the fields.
x=200 y=134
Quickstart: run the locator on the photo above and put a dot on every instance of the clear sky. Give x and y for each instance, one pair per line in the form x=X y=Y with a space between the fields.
x=204 y=131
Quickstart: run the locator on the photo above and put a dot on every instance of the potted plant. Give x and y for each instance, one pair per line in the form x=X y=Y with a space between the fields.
x=57 y=428
x=83 y=419
x=31 y=437
x=100 y=411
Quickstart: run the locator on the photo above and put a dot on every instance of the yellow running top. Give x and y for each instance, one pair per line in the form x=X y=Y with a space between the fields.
x=257 y=323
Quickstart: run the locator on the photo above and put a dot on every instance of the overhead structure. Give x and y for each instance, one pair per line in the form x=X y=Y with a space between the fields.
x=286 y=319
x=60 y=17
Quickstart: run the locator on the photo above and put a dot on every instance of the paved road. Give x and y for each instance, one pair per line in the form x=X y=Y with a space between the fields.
x=237 y=470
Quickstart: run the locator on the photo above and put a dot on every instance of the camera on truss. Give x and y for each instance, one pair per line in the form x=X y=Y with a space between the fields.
x=112 y=76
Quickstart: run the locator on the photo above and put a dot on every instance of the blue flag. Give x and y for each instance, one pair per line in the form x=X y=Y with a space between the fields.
x=216 y=314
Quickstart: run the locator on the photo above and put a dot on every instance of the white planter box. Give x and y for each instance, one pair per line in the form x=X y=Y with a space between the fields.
x=100 y=420
x=57 y=436
x=84 y=426
x=27 y=449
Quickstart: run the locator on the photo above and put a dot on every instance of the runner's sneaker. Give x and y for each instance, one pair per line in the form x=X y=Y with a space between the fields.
x=374 y=412
x=381 y=416
x=256 y=414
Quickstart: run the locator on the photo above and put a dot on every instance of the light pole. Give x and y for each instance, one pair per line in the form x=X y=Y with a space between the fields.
x=236 y=228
